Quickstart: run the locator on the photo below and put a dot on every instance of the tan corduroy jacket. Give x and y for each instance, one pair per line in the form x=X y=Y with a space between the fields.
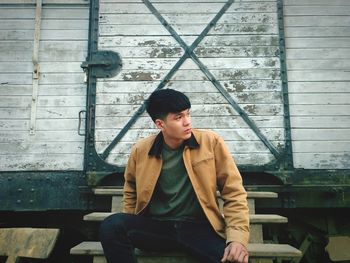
x=210 y=167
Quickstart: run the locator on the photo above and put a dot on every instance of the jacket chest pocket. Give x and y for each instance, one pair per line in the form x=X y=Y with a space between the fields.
x=205 y=159
x=204 y=169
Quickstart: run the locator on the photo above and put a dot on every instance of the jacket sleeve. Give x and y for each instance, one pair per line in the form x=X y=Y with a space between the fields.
x=236 y=211
x=129 y=192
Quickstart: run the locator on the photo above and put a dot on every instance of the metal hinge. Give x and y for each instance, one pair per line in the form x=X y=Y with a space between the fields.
x=105 y=64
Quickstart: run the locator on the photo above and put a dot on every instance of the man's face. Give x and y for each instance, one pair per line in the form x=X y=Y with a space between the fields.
x=176 y=127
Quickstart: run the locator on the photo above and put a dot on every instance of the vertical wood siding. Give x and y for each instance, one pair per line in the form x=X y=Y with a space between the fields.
x=241 y=51
x=318 y=55
x=62 y=91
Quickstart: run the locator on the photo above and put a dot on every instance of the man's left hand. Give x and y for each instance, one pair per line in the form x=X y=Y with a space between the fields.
x=235 y=252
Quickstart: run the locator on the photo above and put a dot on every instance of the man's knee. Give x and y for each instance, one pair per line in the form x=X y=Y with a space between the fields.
x=111 y=226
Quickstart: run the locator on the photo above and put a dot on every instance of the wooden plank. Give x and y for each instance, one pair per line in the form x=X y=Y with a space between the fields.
x=28 y=12
x=317 y=110
x=41 y=148
x=255 y=250
x=311 y=31
x=45 y=78
x=228 y=134
x=328 y=64
x=42 y=113
x=340 y=147
x=57 y=24
x=184 y=1
x=168 y=41
x=320 y=98
x=180 y=18
x=210 y=63
x=44 y=90
x=45 y=55
x=185 y=29
x=317 y=10
x=196 y=110
x=246 y=51
x=317 y=21
x=187 y=8
x=320 y=122
x=319 y=75
x=317 y=86
x=43 y=101
x=207 y=98
x=40 y=136
x=316 y=53
x=27 y=242
x=42 y=125
x=208 y=52
x=315 y=2
x=46 y=2
x=107 y=86
x=321 y=134
x=41 y=162
x=319 y=42
x=225 y=74
x=322 y=160
x=45 y=34
x=45 y=67
x=337 y=248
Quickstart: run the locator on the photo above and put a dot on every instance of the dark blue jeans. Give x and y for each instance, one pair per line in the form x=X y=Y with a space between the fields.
x=121 y=233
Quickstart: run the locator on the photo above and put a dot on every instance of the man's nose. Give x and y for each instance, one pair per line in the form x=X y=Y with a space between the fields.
x=187 y=120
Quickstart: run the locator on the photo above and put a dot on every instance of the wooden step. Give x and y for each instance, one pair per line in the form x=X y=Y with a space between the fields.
x=119 y=191
x=256 y=230
x=255 y=251
x=254 y=219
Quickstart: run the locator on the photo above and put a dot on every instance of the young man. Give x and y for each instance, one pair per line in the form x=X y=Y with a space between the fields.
x=170 y=192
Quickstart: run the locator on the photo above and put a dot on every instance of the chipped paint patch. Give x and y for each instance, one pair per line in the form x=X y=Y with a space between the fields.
x=140 y=76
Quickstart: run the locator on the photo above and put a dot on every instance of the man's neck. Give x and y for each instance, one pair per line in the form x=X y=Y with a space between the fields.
x=173 y=144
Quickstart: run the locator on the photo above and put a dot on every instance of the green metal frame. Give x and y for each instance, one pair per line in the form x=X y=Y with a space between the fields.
x=281 y=168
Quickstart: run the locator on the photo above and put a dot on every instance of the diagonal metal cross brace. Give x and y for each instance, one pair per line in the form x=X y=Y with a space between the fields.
x=171 y=73
x=190 y=54
x=203 y=68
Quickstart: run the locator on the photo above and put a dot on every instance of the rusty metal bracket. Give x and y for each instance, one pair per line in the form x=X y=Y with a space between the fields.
x=104 y=64
x=36 y=68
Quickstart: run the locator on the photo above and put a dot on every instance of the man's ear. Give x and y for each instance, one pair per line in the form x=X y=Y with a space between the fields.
x=159 y=123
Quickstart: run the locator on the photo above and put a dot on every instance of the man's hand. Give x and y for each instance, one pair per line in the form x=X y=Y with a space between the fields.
x=235 y=252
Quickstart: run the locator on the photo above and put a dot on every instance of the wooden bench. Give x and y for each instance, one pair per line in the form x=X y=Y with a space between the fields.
x=27 y=242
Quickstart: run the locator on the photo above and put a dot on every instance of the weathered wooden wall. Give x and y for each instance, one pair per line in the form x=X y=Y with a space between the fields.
x=318 y=57
x=62 y=91
x=241 y=51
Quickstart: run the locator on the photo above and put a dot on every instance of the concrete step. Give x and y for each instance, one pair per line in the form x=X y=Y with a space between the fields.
x=119 y=191
x=254 y=219
x=93 y=248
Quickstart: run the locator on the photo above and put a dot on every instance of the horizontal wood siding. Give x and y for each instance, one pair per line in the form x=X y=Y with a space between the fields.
x=318 y=61
x=56 y=144
x=241 y=51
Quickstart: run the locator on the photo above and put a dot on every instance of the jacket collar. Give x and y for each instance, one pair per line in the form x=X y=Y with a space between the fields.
x=157 y=146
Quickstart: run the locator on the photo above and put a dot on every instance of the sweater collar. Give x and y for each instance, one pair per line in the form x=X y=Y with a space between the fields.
x=157 y=146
